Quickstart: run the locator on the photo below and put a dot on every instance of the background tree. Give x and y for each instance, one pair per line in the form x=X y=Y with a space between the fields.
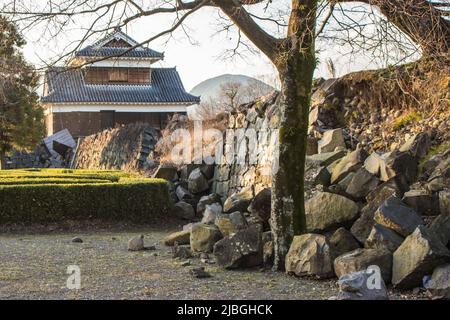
x=21 y=116
x=292 y=50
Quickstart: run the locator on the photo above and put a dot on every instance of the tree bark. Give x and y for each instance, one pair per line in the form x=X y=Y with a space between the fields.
x=296 y=67
x=2 y=160
x=419 y=20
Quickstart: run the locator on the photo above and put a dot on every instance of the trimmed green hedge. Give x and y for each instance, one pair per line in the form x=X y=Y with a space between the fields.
x=16 y=181
x=126 y=197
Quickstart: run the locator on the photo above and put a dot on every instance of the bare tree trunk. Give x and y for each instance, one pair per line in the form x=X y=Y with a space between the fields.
x=2 y=160
x=296 y=73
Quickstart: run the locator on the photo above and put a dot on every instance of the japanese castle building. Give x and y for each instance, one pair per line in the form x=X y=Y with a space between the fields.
x=112 y=87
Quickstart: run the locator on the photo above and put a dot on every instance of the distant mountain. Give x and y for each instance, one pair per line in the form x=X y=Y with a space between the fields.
x=211 y=88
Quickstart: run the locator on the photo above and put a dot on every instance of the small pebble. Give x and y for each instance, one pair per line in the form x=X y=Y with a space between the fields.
x=186 y=263
x=77 y=240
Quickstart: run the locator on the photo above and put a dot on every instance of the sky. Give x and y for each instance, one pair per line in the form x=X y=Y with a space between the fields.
x=197 y=58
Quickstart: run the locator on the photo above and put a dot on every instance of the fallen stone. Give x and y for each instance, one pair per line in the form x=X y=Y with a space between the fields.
x=242 y=249
x=197 y=182
x=181 y=252
x=362 y=285
x=199 y=273
x=180 y=237
x=309 y=255
x=211 y=212
x=444 y=202
x=344 y=183
x=261 y=205
x=383 y=238
x=438 y=287
x=422 y=201
x=361 y=259
x=204 y=236
x=418 y=145
x=440 y=227
x=77 y=240
x=322 y=177
x=418 y=256
x=331 y=140
x=324 y=159
x=166 y=172
x=209 y=199
x=183 y=194
x=350 y=163
x=398 y=163
x=231 y=223
x=184 y=210
x=362 y=183
x=238 y=201
x=327 y=210
x=342 y=241
x=373 y=163
x=363 y=225
x=395 y=215
x=136 y=243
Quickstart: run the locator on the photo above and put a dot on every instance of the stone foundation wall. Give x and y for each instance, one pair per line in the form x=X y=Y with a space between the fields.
x=249 y=146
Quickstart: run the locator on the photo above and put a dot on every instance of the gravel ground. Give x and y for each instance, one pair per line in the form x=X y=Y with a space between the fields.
x=33 y=265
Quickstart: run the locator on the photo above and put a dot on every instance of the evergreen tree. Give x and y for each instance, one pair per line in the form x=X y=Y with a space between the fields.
x=21 y=115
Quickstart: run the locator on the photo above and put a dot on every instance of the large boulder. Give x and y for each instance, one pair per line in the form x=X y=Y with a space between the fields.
x=398 y=163
x=363 y=225
x=438 y=287
x=239 y=201
x=440 y=227
x=197 y=181
x=395 y=215
x=231 y=223
x=204 y=236
x=350 y=163
x=327 y=210
x=383 y=238
x=362 y=285
x=362 y=183
x=309 y=255
x=324 y=159
x=423 y=201
x=418 y=255
x=183 y=194
x=184 y=210
x=418 y=145
x=261 y=205
x=180 y=237
x=373 y=163
x=361 y=259
x=167 y=172
x=243 y=249
x=211 y=212
x=342 y=241
x=209 y=199
x=331 y=140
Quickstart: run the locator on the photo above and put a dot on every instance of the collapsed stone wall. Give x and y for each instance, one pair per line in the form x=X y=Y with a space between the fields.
x=128 y=148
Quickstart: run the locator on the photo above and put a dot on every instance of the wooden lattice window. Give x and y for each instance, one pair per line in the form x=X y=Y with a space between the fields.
x=96 y=75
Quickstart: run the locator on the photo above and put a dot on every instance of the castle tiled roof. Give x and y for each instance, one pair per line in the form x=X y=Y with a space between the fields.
x=92 y=51
x=68 y=86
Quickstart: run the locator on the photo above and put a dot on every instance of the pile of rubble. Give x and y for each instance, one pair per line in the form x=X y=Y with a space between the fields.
x=55 y=151
x=367 y=210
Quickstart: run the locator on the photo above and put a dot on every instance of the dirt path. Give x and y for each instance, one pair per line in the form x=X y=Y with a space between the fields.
x=33 y=266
